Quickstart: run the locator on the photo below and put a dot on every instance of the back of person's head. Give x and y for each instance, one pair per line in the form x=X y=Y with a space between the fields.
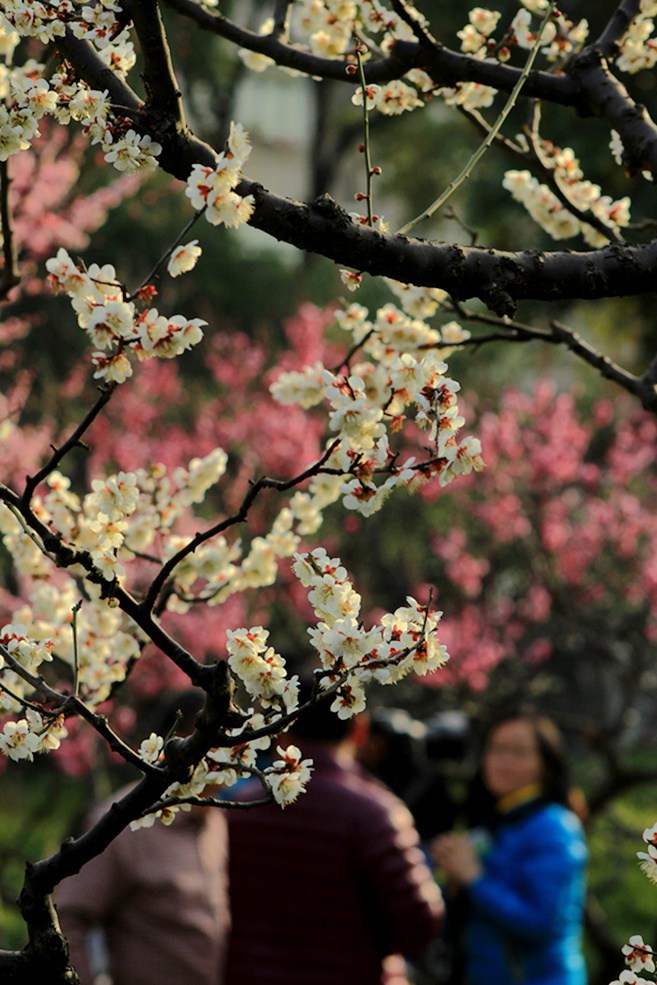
x=318 y=722
x=180 y=710
x=393 y=747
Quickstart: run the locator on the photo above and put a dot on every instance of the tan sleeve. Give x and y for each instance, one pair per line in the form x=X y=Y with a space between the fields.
x=83 y=902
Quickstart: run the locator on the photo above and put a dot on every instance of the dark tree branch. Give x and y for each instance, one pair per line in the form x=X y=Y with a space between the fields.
x=45 y=956
x=498 y=278
x=637 y=386
x=66 y=556
x=608 y=99
x=607 y=43
x=164 y=98
x=10 y=277
x=446 y=67
x=411 y=18
x=74 y=441
x=644 y=387
x=89 y=66
x=281 y=17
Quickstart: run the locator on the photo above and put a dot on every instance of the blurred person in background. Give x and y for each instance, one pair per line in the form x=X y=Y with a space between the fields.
x=153 y=908
x=517 y=886
x=417 y=760
x=334 y=889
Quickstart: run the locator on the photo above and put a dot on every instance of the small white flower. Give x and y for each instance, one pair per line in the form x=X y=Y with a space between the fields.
x=184 y=258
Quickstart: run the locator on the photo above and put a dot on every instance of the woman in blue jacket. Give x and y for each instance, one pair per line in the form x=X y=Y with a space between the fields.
x=524 y=890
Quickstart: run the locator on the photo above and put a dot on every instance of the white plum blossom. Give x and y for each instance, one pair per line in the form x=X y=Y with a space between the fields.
x=258 y=666
x=151 y=748
x=638 y=955
x=287 y=777
x=305 y=388
x=370 y=97
x=211 y=189
x=131 y=151
x=110 y=322
x=397 y=97
x=628 y=977
x=184 y=258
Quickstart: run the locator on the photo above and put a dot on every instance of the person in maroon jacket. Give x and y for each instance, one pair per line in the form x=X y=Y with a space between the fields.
x=329 y=890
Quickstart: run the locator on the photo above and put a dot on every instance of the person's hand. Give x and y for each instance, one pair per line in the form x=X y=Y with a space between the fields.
x=454 y=854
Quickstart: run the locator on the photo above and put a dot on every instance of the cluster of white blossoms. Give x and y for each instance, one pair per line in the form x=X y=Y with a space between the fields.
x=350 y=657
x=211 y=190
x=24 y=738
x=125 y=516
x=392 y=99
x=400 y=377
x=648 y=860
x=24 y=731
x=103 y=642
x=550 y=212
x=287 y=777
x=404 y=642
x=112 y=321
x=560 y=36
x=638 y=48
x=328 y=28
x=28 y=94
x=397 y=375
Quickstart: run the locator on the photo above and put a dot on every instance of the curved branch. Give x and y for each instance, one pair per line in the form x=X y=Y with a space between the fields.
x=446 y=67
x=616 y=27
x=238 y=517
x=163 y=93
x=644 y=387
x=74 y=441
x=609 y=100
x=499 y=278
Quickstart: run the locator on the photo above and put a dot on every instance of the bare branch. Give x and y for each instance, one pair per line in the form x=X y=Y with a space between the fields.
x=281 y=16
x=637 y=386
x=616 y=27
x=499 y=278
x=10 y=277
x=163 y=93
x=444 y=66
x=74 y=441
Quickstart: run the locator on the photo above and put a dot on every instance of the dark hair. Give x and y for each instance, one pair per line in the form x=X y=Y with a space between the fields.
x=182 y=708
x=552 y=750
x=318 y=721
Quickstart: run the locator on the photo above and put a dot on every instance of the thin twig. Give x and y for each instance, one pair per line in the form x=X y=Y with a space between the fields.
x=73 y=441
x=465 y=172
x=200 y=538
x=167 y=253
x=366 y=135
x=76 y=656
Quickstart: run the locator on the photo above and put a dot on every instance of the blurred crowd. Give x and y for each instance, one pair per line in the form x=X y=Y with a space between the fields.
x=421 y=854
